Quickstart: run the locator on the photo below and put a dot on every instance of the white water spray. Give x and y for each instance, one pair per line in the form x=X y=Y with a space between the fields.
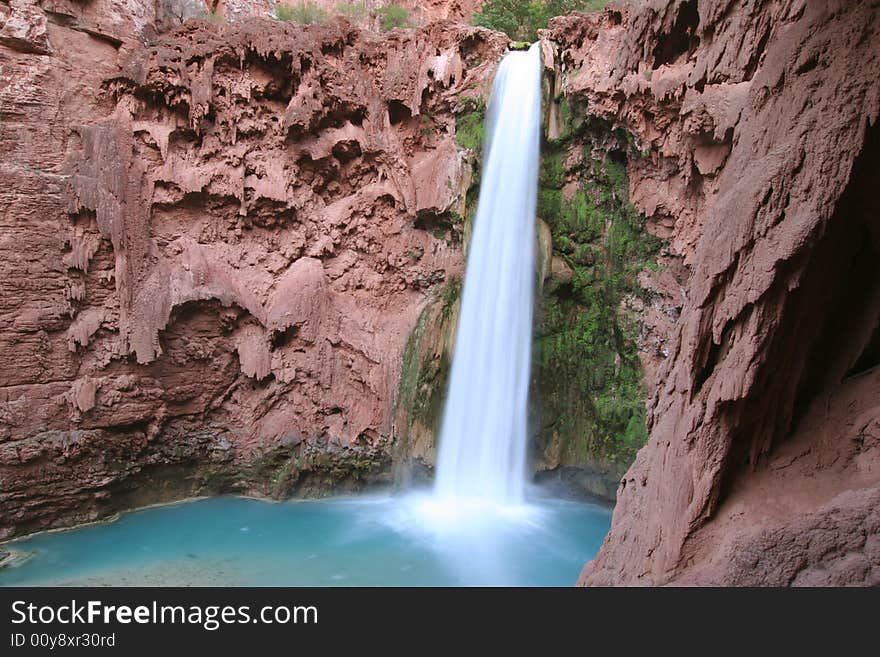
x=483 y=438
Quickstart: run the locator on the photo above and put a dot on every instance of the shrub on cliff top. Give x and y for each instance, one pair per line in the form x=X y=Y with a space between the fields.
x=391 y=16
x=179 y=11
x=304 y=13
x=353 y=11
x=522 y=20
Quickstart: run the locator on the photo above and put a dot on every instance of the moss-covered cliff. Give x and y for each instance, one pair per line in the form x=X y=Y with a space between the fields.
x=587 y=392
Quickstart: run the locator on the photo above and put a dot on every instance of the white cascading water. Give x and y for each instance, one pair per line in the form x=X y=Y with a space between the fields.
x=483 y=437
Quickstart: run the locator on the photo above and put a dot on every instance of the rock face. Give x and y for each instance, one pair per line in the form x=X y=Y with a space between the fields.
x=758 y=122
x=215 y=247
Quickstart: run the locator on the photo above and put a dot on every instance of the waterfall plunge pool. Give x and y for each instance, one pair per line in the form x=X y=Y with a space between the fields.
x=361 y=541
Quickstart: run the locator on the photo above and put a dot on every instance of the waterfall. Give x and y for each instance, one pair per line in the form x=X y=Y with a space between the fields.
x=483 y=434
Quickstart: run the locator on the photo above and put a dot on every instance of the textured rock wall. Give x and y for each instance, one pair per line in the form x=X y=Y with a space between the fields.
x=216 y=244
x=760 y=125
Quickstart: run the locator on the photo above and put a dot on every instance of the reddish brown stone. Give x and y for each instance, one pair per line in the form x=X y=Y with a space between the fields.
x=208 y=277
x=759 y=127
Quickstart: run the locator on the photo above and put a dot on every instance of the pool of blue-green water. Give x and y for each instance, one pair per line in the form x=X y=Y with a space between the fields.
x=358 y=541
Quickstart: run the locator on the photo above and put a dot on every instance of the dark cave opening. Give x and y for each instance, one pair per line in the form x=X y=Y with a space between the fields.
x=398 y=112
x=847 y=336
x=282 y=338
x=347 y=150
x=870 y=357
x=681 y=39
x=829 y=327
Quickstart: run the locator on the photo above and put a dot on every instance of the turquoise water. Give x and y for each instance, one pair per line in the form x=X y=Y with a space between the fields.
x=363 y=541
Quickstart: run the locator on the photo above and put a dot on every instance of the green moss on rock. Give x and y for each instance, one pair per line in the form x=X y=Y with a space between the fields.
x=470 y=124
x=426 y=361
x=587 y=377
x=410 y=371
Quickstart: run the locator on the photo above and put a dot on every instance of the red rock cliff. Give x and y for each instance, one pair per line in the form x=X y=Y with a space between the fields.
x=758 y=124
x=216 y=243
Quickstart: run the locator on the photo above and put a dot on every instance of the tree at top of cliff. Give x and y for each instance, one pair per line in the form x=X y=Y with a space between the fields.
x=522 y=20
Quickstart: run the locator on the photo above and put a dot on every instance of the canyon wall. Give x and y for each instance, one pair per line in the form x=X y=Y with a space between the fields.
x=216 y=243
x=760 y=155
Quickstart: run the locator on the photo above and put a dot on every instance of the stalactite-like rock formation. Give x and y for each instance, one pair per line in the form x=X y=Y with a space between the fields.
x=217 y=241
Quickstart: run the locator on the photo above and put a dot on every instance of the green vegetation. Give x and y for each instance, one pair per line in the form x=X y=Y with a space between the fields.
x=411 y=371
x=470 y=124
x=587 y=371
x=449 y=296
x=304 y=13
x=391 y=16
x=470 y=132
x=308 y=13
x=424 y=374
x=521 y=20
x=353 y=11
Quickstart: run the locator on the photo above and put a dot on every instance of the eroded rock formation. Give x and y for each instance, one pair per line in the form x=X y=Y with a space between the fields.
x=216 y=243
x=758 y=123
